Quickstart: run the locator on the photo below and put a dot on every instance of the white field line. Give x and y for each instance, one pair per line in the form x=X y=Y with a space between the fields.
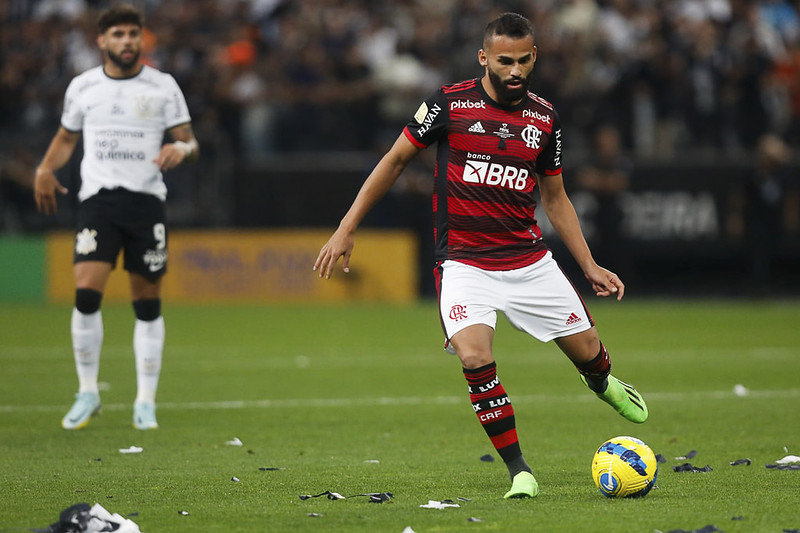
x=415 y=400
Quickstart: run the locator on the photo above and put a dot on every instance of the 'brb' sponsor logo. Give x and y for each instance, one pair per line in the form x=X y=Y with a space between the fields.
x=495 y=174
x=527 y=113
x=467 y=104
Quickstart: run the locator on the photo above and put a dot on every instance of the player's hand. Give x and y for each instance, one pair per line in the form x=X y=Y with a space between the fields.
x=172 y=155
x=45 y=187
x=605 y=283
x=339 y=245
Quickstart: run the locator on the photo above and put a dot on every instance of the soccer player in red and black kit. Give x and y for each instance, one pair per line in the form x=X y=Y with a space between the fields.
x=496 y=142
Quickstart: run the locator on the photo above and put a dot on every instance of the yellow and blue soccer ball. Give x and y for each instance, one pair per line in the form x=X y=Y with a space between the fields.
x=624 y=467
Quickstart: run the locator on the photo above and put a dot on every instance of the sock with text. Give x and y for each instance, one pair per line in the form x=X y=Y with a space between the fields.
x=496 y=415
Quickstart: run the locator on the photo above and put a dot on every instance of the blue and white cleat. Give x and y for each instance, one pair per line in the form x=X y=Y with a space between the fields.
x=144 y=415
x=87 y=404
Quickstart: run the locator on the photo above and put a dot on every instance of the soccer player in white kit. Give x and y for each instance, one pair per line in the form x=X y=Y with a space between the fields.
x=496 y=142
x=122 y=108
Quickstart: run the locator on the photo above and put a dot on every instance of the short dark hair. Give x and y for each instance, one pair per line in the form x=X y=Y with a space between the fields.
x=120 y=14
x=512 y=25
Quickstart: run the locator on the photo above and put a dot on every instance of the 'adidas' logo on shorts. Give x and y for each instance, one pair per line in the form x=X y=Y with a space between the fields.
x=477 y=128
x=573 y=319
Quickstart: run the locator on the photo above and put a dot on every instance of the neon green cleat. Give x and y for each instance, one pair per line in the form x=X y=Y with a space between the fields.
x=523 y=485
x=625 y=399
x=87 y=404
x=144 y=416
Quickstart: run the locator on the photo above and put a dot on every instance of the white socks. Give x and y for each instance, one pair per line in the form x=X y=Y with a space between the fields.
x=87 y=338
x=148 y=346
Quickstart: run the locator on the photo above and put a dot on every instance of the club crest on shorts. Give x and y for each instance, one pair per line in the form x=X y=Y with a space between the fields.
x=458 y=312
x=85 y=241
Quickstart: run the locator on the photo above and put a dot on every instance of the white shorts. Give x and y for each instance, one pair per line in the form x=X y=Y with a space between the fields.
x=538 y=299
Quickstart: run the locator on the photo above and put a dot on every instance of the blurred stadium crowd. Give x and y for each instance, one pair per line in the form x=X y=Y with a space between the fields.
x=267 y=77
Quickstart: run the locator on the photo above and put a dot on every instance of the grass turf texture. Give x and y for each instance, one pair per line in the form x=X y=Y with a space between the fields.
x=320 y=392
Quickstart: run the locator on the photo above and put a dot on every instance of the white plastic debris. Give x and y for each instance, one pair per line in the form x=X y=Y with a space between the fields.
x=408 y=530
x=102 y=520
x=788 y=460
x=435 y=504
x=132 y=449
x=234 y=442
x=740 y=390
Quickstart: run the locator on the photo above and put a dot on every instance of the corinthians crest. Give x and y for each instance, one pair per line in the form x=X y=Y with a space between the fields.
x=85 y=241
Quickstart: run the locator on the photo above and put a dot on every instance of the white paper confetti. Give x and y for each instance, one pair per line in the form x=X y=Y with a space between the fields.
x=234 y=442
x=132 y=449
x=435 y=504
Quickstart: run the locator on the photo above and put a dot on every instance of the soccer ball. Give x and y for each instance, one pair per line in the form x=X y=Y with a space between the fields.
x=624 y=467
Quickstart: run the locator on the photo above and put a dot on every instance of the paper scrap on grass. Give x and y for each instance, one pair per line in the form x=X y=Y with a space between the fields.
x=474 y=519
x=436 y=504
x=234 y=442
x=131 y=449
x=488 y=458
x=183 y=513
x=687 y=456
x=90 y=520
x=408 y=530
x=793 y=466
x=790 y=462
x=688 y=467
x=235 y=479
x=738 y=462
x=373 y=461
x=708 y=529
x=315 y=514
x=374 y=497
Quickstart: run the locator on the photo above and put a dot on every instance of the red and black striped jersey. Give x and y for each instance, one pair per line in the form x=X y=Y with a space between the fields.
x=488 y=159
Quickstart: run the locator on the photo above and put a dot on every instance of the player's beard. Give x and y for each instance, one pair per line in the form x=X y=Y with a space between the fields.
x=505 y=94
x=121 y=63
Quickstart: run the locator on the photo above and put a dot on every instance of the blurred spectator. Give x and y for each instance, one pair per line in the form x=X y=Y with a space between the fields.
x=765 y=209
x=606 y=176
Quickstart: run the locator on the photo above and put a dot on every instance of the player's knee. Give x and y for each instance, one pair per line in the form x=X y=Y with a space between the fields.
x=147 y=309
x=475 y=359
x=87 y=301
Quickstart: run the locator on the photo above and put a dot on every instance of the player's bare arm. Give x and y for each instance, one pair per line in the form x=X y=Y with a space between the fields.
x=45 y=183
x=184 y=148
x=375 y=187
x=561 y=214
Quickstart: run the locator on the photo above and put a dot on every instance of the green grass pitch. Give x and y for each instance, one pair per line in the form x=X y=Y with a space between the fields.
x=360 y=399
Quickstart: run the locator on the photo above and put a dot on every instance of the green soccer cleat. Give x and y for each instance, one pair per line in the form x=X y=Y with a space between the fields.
x=625 y=399
x=144 y=416
x=87 y=404
x=523 y=485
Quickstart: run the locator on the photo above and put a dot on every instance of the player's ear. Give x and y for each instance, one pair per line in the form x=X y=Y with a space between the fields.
x=101 y=41
x=482 y=59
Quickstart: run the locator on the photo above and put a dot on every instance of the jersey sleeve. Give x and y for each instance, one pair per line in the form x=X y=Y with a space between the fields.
x=429 y=123
x=549 y=161
x=176 y=111
x=72 y=114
